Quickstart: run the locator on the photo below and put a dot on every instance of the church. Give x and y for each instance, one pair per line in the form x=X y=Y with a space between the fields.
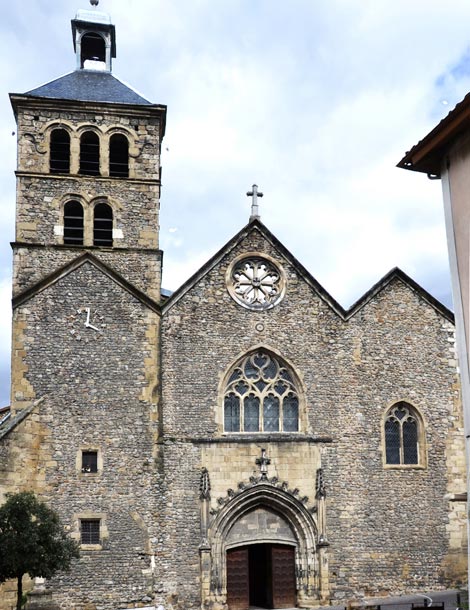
x=245 y=442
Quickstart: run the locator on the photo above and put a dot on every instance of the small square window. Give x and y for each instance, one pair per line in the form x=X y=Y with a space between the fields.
x=90 y=531
x=89 y=461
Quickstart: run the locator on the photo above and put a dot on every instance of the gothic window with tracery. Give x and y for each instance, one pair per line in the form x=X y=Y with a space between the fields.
x=402 y=432
x=255 y=282
x=261 y=396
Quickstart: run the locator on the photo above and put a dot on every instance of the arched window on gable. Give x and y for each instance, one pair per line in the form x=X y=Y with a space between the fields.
x=403 y=435
x=103 y=225
x=73 y=223
x=261 y=396
x=89 y=154
x=59 y=152
x=118 y=156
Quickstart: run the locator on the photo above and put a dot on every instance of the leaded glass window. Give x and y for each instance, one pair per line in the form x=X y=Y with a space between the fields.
x=261 y=396
x=402 y=435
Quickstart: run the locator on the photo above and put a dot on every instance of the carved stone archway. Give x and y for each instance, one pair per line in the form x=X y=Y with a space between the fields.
x=310 y=556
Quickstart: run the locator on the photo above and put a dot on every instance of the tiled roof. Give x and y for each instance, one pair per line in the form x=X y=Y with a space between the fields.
x=426 y=156
x=89 y=86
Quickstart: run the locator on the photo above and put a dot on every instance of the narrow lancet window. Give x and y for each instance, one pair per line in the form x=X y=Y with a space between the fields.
x=232 y=412
x=59 y=157
x=89 y=154
x=118 y=156
x=73 y=223
x=103 y=225
x=261 y=396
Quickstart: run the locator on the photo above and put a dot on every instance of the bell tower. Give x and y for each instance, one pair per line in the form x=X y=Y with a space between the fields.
x=88 y=168
x=88 y=184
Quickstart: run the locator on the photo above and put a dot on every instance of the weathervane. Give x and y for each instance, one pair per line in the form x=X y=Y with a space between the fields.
x=254 y=194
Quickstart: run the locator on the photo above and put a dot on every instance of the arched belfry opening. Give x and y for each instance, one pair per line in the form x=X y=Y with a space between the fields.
x=59 y=157
x=118 y=156
x=93 y=49
x=94 y=40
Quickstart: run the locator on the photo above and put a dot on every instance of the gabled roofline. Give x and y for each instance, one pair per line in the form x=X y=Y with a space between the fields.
x=427 y=155
x=87 y=257
x=19 y=417
x=345 y=314
x=5 y=413
x=253 y=225
x=397 y=274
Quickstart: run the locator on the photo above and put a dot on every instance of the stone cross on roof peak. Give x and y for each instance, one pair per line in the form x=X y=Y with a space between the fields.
x=254 y=194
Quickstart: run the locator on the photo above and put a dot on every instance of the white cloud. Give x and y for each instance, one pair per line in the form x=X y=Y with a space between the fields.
x=315 y=102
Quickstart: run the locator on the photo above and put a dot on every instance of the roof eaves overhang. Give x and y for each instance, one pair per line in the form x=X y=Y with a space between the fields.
x=52 y=102
x=427 y=155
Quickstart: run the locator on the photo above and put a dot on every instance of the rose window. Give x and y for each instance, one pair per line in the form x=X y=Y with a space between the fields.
x=256 y=282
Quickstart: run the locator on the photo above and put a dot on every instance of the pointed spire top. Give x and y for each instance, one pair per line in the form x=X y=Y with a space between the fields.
x=254 y=194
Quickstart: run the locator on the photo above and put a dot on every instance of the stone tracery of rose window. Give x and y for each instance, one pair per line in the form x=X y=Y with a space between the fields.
x=256 y=283
x=260 y=396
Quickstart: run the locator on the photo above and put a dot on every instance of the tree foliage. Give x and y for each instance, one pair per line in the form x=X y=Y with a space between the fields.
x=32 y=540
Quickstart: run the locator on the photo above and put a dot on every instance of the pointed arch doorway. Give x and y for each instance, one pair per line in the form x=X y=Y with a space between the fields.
x=261 y=576
x=262 y=512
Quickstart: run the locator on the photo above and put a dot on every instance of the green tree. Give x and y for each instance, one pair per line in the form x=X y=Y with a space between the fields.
x=32 y=541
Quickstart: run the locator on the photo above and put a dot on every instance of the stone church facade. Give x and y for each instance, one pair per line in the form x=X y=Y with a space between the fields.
x=244 y=442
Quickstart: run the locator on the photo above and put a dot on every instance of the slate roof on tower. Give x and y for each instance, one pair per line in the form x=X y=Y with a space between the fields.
x=89 y=86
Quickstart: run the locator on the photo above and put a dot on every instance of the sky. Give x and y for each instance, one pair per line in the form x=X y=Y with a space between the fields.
x=315 y=101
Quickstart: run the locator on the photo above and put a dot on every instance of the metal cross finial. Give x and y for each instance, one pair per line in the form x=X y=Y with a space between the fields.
x=254 y=194
x=263 y=463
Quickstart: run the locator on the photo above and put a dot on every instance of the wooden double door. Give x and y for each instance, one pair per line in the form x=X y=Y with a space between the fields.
x=261 y=576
